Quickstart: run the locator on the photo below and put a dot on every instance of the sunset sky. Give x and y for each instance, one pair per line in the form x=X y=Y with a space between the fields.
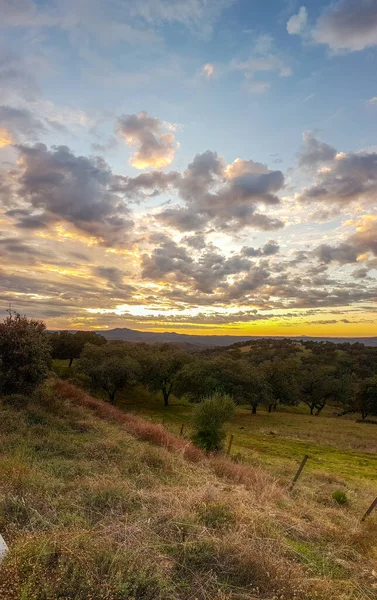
x=199 y=166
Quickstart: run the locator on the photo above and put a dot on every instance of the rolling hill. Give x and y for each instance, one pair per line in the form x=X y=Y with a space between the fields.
x=207 y=341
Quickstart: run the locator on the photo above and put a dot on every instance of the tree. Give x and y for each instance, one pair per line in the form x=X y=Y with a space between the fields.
x=282 y=384
x=201 y=378
x=366 y=399
x=68 y=346
x=24 y=354
x=317 y=386
x=208 y=421
x=160 y=368
x=109 y=367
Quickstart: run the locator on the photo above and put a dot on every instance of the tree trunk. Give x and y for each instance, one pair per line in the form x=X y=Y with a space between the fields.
x=311 y=409
x=70 y=362
x=270 y=407
x=112 y=396
x=364 y=415
x=166 y=397
x=254 y=410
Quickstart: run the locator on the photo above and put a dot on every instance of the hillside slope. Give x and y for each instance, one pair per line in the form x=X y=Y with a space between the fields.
x=92 y=512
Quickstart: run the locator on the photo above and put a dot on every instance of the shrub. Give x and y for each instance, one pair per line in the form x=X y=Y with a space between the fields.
x=340 y=497
x=24 y=354
x=209 y=419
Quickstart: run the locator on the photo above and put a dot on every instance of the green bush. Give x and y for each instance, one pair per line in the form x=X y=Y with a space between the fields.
x=208 y=422
x=340 y=497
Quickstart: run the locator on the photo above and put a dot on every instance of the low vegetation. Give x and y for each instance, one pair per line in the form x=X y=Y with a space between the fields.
x=90 y=510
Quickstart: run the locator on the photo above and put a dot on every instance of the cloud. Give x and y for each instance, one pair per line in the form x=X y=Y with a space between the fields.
x=240 y=166
x=355 y=248
x=55 y=185
x=114 y=21
x=343 y=178
x=156 y=147
x=146 y=184
x=347 y=25
x=343 y=254
x=20 y=123
x=208 y=70
x=224 y=197
x=314 y=152
x=373 y=101
x=263 y=59
x=270 y=248
x=172 y=262
x=5 y=137
x=297 y=23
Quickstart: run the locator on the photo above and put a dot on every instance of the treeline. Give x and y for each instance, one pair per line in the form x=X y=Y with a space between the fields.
x=263 y=373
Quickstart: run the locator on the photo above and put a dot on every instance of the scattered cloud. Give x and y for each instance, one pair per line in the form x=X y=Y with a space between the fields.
x=341 y=178
x=54 y=185
x=347 y=25
x=208 y=70
x=314 y=152
x=223 y=197
x=156 y=147
x=297 y=23
x=263 y=59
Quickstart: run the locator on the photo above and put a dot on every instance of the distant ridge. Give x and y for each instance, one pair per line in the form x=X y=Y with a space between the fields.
x=208 y=341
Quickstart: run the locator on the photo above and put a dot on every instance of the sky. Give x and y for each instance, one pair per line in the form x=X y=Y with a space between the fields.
x=199 y=166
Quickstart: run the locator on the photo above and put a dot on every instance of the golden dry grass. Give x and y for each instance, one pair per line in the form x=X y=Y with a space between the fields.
x=98 y=504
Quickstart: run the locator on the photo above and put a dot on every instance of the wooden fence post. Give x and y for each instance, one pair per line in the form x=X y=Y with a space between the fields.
x=230 y=445
x=372 y=506
x=303 y=463
x=182 y=430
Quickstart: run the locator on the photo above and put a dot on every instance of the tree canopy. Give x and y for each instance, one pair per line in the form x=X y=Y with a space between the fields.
x=25 y=354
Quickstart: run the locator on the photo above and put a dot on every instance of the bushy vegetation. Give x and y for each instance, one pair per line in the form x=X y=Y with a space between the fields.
x=24 y=354
x=263 y=373
x=109 y=367
x=208 y=422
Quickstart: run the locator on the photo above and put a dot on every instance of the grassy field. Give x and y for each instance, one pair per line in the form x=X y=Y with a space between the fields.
x=342 y=447
x=92 y=512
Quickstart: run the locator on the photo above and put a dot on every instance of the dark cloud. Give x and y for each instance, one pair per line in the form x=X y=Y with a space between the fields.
x=356 y=245
x=347 y=178
x=348 y=25
x=360 y=273
x=204 y=274
x=61 y=186
x=146 y=184
x=182 y=219
x=20 y=123
x=270 y=248
x=214 y=197
x=314 y=152
x=343 y=254
x=155 y=146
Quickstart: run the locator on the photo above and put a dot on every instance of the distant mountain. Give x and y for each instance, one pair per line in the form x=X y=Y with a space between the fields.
x=210 y=341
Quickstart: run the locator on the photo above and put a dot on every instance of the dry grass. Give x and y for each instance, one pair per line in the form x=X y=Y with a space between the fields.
x=90 y=511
